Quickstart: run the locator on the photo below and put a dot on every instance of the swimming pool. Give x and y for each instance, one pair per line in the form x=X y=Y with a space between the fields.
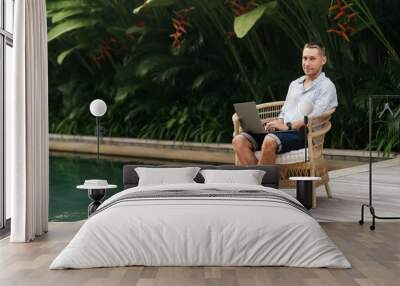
x=66 y=171
x=66 y=203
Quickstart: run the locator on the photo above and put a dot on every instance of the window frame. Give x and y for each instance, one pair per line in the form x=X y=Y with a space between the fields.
x=6 y=39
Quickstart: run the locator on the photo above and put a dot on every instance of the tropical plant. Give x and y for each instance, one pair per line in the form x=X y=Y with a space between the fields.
x=172 y=69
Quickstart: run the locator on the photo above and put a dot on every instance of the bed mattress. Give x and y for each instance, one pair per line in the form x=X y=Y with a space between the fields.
x=201 y=225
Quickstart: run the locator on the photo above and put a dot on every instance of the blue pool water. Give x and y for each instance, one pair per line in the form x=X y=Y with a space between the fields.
x=66 y=203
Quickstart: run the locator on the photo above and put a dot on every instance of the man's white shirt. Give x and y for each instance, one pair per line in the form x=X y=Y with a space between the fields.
x=321 y=93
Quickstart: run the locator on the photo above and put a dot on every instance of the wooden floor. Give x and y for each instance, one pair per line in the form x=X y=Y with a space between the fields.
x=375 y=257
x=350 y=189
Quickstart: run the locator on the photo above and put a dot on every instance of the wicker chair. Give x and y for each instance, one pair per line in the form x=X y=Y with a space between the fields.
x=318 y=126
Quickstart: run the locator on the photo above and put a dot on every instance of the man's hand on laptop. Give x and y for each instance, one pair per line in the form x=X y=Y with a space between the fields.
x=275 y=125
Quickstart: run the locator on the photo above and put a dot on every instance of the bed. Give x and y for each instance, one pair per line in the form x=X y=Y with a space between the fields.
x=198 y=224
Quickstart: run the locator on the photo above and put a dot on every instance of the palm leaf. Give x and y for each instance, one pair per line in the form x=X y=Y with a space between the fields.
x=153 y=4
x=152 y=64
x=58 y=5
x=136 y=29
x=243 y=24
x=203 y=78
x=59 y=16
x=69 y=25
x=61 y=57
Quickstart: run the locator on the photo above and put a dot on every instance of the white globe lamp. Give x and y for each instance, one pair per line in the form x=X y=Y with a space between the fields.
x=98 y=108
x=305 y=107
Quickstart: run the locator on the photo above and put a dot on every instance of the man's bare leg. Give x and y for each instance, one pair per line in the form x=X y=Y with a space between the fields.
x=268 y=151
x=244 y=150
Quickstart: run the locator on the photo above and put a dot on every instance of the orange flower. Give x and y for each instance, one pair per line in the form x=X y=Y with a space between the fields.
x=344 y=36
x=231 y=35
x=352 y=15
x=238 y=8
x=339 y=15
x=342 y=18
x=346 y=27
x=334 y=31
x=180 y=23
x=341 y=6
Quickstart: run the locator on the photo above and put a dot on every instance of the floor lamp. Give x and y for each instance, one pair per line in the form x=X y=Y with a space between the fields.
x=304 y=188
x=305 y=108
x=98 y=108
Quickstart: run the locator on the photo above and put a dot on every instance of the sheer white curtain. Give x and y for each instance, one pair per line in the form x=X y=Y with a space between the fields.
x=27 y=124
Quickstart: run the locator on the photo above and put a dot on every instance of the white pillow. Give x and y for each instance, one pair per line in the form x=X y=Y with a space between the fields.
x=165 y=176
x=248 y=177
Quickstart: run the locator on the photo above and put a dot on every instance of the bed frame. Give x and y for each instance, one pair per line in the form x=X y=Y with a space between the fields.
x=270 y=179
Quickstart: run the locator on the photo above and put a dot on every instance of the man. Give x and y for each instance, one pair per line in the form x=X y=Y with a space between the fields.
x=315 y=87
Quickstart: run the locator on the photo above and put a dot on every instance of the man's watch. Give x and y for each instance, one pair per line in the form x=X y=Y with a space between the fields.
x=289 y=125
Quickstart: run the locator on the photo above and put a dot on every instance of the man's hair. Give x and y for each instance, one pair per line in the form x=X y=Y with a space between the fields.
x=315 y=45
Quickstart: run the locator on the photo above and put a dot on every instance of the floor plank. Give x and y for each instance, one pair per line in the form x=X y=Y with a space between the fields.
x=375 y=257
x=350 y=189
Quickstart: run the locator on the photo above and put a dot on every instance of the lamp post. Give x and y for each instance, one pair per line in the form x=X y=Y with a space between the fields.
x=98 y=108
x=305 y=108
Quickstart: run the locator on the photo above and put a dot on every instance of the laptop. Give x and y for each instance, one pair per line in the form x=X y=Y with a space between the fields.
x=249 y=117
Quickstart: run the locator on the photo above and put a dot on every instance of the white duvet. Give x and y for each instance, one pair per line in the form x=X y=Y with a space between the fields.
x=200 y=231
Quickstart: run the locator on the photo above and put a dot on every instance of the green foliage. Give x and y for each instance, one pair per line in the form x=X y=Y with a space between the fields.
x=387 y=137
x=69 y=25
x=245 y=22
x=153 y=4
x=100 y=49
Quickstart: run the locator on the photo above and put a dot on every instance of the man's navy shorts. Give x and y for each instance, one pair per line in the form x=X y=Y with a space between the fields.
x=287 y=141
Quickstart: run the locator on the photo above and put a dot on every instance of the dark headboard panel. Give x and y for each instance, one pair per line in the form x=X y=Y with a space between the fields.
x=271 y=177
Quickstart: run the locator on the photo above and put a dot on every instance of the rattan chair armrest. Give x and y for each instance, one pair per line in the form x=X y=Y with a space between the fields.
x=322 y=116
x=321 y=131
x=318 y=127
